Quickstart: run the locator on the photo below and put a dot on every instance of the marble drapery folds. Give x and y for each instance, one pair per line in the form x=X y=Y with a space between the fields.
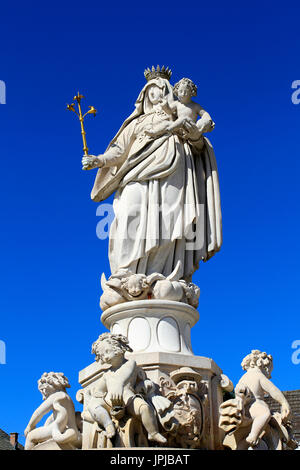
x=167 y=201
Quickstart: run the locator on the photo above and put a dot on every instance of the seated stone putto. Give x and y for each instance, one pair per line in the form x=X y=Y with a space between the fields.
x=62 y=428
x=247 y=419
x=122 y=392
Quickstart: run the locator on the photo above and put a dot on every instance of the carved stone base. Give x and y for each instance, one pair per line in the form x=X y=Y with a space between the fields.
x=159 y=335
x=153 y=325
x=174 y=375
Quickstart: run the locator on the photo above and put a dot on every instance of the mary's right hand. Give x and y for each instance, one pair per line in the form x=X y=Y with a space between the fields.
x=91 y=161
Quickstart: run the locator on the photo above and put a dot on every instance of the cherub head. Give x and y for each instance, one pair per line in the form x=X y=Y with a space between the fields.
x=109 y=346
x=259 y=359
x=185 y=88
x=135 y=285
x=52 y=382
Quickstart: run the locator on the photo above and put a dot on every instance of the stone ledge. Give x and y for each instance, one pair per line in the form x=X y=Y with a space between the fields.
x=152 y=359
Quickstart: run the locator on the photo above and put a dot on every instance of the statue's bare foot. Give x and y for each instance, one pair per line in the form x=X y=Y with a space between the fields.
x=110 y=430
x=252 y=440
x=156 y=436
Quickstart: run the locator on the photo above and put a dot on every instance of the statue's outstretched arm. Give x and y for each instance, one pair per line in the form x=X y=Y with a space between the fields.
x=115 y=154
x=111 y=157
x=38 y=414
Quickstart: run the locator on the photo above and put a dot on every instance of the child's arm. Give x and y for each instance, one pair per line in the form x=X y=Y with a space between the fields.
x=125 y=372
x=101 y=388
x=43 y=409
x=205 y=123
x=169 y=105
x=277 y=395
x=116 y=381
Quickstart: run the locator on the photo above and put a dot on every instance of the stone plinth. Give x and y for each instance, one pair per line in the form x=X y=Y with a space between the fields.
x=159 y=332
x=153 y=325
x=159 y=365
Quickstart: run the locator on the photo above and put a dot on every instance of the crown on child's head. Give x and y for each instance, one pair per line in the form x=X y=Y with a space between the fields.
x=163 y=72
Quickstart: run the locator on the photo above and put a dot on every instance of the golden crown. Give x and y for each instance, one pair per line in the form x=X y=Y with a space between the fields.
x=163 y=72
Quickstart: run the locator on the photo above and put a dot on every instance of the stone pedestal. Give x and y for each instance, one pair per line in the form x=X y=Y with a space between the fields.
x=159 y=334
x=158 y=367
x=153 y=325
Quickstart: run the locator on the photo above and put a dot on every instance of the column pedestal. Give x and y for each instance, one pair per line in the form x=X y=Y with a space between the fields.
x=159 y=334
x=153 y=325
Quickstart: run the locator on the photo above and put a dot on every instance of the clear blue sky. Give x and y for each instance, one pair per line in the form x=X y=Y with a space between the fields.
x=244 y=57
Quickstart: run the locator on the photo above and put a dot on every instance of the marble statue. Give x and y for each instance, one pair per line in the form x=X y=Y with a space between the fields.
x=164 y=175
x=146 y=387
x=247 y=419
x=61 y=429
x=123 y=391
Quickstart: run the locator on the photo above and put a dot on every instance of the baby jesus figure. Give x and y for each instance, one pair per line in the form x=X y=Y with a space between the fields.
x=62 y=424
x=185 y=111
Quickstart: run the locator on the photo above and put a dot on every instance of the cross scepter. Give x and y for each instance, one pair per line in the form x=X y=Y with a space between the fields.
x=92 y=110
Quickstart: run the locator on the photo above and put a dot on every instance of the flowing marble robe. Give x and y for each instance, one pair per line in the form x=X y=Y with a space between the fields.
x=167 y=201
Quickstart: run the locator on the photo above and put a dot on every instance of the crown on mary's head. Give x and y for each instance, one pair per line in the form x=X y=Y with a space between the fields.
x=163 y=72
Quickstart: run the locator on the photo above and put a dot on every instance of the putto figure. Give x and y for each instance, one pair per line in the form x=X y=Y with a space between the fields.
x=62 y=425
x=121 y=390
x=247 y=419
x=258 y=366
x=167 y=201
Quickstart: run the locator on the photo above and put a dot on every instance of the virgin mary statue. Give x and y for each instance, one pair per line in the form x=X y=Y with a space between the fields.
x=167 y=199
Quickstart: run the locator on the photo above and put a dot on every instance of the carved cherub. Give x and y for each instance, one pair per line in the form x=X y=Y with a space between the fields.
x=185 y=110
x=136 y=286
x=61 y=426
x=247 y=419
x=115 y=392
x=125 y=286
x=258 y=366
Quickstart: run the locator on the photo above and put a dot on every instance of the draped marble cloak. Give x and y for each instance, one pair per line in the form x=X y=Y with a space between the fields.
x=167 y=202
